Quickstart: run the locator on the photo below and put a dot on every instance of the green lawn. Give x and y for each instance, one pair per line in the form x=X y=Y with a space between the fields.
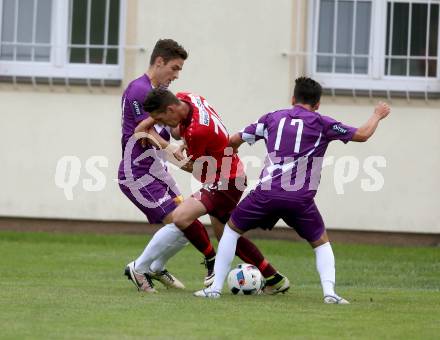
x=71 y=286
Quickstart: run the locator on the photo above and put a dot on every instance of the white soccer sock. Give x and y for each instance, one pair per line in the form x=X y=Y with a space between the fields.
x=159 y=264
x=162 y=241
x=325 y=264
x=225 y=255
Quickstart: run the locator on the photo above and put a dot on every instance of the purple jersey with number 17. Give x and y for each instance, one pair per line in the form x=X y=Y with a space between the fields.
x=296 y=140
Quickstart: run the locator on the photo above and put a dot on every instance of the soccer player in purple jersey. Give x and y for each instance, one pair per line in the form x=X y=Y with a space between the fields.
x=143 y=175
x=296 y=140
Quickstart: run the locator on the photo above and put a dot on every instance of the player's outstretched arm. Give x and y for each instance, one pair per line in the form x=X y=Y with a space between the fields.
x=235 y=141
x=364 y=132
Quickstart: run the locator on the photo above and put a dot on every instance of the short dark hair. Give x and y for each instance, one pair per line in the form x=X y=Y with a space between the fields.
x=158 y=100
x=168 y=49
x=307 y=91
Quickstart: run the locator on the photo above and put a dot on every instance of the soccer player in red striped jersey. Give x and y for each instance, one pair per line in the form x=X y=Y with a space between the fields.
x=215 y=165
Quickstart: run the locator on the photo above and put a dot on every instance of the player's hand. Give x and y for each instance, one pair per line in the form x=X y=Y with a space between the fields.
x=142 y=136
x=180 y=153
x=146 y=138
x=382 y=110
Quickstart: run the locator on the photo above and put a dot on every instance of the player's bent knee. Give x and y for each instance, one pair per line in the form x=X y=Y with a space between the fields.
x=234 y=228
x=181 y=220
x=319 y=242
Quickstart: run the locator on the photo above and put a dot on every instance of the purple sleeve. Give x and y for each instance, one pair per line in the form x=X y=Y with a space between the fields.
x=255 y=131
x=334 y=130
x=134 y=104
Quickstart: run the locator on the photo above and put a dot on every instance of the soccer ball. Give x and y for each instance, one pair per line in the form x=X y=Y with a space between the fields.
x=245 y=279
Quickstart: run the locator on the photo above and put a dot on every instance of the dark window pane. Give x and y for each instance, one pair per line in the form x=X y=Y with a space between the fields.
x=398 y=67
x=78 y=55
x=421 y=28
x=418 y=29
x=98 y=31
x=96 y=55
x=113 y=32
x=400 y=29
x=433 y=31
x=387 y=46
x=417 y=67
x=79 y=21
x=432 y=68
x=112 y=56
x=97 y=24
x=324 y=64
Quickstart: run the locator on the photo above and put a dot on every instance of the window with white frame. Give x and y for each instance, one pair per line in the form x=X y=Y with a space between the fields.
x=376 y=45
x=66 y=39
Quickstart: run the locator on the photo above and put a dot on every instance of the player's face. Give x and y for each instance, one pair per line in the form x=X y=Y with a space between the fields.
x=170 y=118
x=168 y=72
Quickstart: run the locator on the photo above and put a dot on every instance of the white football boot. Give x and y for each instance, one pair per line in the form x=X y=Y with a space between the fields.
x=167 y=279
x=142 y=281
x=335 y=300
x=207 y=293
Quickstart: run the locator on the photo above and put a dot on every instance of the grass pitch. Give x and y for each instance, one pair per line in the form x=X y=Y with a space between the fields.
x=71 y=286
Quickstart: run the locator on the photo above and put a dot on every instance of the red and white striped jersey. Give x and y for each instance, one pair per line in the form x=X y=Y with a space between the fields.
x=206 y=136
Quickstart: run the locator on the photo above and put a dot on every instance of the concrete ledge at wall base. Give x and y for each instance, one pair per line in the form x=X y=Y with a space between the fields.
x=280 y=233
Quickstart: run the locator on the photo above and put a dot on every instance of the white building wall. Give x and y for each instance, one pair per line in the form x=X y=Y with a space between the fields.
x=235 y=61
